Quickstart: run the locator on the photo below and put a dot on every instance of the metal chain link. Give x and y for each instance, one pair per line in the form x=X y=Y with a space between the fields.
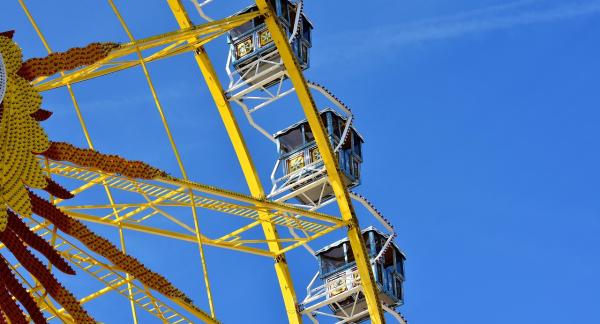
x=339 y=102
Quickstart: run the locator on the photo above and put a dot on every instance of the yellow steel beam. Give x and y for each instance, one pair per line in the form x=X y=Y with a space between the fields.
x=283 y=220
x=238 y=231
x=80 y=117
x=277 y=206
x=107 y=275
x=162 y=192
x=329 y=158
x=163 y=195
x=236 y=137
x=176 y=153
x=174 y=42
x=171 y=234
x=44 y=303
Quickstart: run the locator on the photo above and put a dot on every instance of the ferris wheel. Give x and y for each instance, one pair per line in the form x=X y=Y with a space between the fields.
x=359 y=277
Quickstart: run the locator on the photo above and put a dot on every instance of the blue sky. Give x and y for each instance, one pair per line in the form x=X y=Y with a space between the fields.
x=480 y=122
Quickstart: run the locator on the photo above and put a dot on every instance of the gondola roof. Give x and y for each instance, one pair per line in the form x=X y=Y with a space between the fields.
x=368 y=229
x=253 y=7
x=295 y=125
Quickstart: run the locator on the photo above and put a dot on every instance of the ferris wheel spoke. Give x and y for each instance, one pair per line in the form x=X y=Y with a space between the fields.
x=173 y=43
x=115 y=280
x=269 y=46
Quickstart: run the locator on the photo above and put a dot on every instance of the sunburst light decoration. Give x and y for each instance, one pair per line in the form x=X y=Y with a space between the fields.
x=21 y=139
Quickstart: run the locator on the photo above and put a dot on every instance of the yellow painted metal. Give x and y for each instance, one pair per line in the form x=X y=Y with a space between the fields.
x=240 y=230
x=263 y=202
x=173 y=235
x=177 y=156
x=329 y=158
x=109 y=194
x=83 y=126
x=42 y=301
x=239 y=145
x=127 y=276
x=317 y=229
x=173 y=192
x=167 y=45
x=156 y=196
x=106 y=274
x=185 y=193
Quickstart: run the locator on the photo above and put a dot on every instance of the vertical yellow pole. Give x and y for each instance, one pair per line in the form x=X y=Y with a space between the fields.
x=239 y=145
x=329 y=158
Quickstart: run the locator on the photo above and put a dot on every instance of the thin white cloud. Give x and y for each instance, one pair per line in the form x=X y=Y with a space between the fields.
x=445 y=30
x=474 y=13
x=498 y=17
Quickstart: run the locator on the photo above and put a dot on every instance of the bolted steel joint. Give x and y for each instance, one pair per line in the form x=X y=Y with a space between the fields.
x=280 y=259
x=351 y=225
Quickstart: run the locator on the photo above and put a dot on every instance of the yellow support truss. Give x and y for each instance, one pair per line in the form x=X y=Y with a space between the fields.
x=154 y=48
x=165 y=198
x=245 y=159
x=294 y=72
x=114 y=280
x=169 y=197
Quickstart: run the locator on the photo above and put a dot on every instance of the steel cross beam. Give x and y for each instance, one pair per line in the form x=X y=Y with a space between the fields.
x=114 y=280
x=168 y=44
x=145 y=200
x=252 y=178
x=172 y=190
x=172 y=234
x=38 y=293
x=329 y=158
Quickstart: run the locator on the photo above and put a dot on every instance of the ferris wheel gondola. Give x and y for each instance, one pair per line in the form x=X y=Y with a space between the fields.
x=299 y=173
x=269 y=46
x=301 y=165
x=341 y=290
x=252 y=42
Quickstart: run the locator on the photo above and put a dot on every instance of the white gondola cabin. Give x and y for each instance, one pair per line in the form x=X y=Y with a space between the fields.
x=252 y=41
x=338 y=271
x=300 y=160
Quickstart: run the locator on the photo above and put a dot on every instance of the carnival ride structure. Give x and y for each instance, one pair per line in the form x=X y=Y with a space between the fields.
x=360 y=277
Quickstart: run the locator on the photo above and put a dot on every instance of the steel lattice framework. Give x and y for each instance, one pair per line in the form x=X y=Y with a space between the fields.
x=172 y=199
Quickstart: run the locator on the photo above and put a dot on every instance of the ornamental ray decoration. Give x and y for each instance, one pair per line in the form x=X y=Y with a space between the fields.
x=21 y=139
